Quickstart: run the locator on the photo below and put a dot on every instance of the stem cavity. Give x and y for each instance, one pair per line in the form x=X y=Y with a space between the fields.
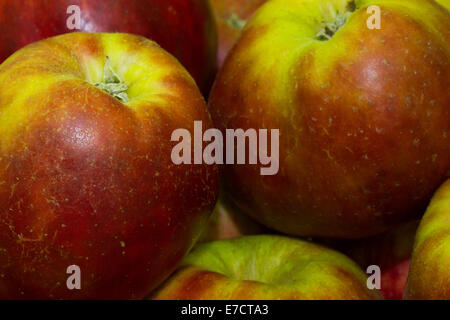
x=112 y=84
x=329 y=28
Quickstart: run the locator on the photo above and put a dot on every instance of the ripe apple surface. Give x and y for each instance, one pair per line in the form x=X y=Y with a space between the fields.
x=429 y=276
x=185 y=28
x=363 y=113
x=444 y=3
x=86 y=176
x=266 y=267
x=231 y=17
x=391 y=251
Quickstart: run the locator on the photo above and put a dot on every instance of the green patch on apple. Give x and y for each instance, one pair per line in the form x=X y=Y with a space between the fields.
x=266 y=267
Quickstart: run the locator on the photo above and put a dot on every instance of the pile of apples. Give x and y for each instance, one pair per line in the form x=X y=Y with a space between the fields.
x=92 y=206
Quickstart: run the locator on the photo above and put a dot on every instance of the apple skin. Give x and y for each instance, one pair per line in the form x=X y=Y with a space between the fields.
x=265 y=267
x=429 y=276
x=363 y=118
x=185 y=28
x=226 y=222
x=391 y=251
x=231 y=16
x=393 y=280
x=88 y=180
x=444 y=3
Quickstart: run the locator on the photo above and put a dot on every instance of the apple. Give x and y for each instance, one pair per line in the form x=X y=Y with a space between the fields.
x=231 y=17
x=391 y=251
x=185 y=28
x=265 y=267
x=444 y=3
x=362 y=113
x=429 y=276
x=86 y=176
x=226 y=222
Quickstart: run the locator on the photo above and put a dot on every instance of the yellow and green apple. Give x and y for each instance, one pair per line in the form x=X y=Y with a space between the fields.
x=266 y=267
x=86 y=175
x=362 y=113
x=444 y=3
x=429 y=276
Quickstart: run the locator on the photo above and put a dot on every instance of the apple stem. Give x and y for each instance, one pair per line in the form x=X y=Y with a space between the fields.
x=236 y=22
x=112 y=84
x=330 y=28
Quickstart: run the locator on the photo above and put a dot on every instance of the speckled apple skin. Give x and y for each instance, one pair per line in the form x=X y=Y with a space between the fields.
x=88 y=180
x=364 y=118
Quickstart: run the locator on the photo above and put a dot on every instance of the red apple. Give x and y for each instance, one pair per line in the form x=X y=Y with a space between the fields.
x=266 y=267
x=393 y=280
x=185 y=28
x=86 y=176
x=363 y=114
x=391 y=251
x=231 y=17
